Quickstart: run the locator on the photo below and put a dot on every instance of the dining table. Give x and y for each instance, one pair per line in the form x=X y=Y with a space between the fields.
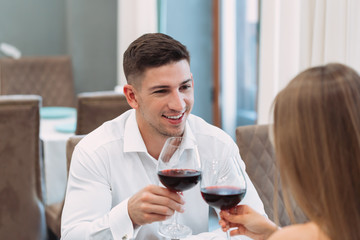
x=57 y=124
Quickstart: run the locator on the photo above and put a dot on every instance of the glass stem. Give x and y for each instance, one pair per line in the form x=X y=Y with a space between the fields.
x=175 y=218
x=228 y=235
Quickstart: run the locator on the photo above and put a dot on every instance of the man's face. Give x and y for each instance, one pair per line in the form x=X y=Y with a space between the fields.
x=165 y=99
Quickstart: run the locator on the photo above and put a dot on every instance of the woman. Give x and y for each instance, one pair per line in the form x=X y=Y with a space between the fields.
x=317 y=144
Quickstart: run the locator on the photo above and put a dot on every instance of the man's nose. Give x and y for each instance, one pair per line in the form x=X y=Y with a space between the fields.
x=177 y=101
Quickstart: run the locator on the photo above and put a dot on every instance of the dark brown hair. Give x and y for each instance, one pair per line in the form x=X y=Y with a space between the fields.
x=151 y=50
x=317 y=143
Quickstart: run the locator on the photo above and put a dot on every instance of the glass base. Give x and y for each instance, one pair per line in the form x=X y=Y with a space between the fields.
x=174 y=231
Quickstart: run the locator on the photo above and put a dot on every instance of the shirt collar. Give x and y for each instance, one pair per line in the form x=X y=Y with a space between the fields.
x=133 y=141
x=188 y=134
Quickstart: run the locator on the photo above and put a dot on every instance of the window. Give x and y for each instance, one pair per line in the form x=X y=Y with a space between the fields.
x=239 y=36
x=222 y=37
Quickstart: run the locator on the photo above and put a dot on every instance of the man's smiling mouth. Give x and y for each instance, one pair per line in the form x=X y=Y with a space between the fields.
x=177 y=117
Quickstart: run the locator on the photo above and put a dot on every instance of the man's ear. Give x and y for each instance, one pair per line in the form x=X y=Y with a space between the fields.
x=130 y=94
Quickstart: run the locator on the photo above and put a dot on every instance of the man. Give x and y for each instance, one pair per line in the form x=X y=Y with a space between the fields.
x=113 y=189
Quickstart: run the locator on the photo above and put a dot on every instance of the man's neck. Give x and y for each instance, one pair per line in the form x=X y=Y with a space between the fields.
x=153 y=144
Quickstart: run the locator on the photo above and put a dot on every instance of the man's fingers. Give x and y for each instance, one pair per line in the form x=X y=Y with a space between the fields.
x=161 y=191
x=153 y=203
x=169 y=203
x=153 y=217
x=158 y=210
x=163 y=198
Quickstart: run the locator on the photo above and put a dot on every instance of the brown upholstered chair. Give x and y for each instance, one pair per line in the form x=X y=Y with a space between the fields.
x=50 y=77
x=94 y=108
x=257 y=152
x=22 y=214
x=54 y=211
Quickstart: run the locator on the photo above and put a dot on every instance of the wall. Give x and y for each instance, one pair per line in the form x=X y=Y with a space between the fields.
x=34 y=27
x=92 y=40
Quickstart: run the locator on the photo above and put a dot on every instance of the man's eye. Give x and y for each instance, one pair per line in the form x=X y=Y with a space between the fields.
x=186 y=87
x=160 y=91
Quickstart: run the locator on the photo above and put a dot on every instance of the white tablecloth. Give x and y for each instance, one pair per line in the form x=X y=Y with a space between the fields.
x=215 y=235
x=54 y=152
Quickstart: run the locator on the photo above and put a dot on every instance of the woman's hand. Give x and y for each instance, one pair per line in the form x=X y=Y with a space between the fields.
x=247 y=222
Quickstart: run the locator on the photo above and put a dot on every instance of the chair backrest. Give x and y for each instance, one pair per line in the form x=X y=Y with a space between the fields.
x=22 y=213
x=70 y=146
x=54 y=211
x=258 y=154
x=50 y=77
x=95 y=108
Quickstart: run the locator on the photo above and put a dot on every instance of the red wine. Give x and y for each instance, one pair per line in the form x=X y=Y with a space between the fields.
x=223 y=197
x=179 y=179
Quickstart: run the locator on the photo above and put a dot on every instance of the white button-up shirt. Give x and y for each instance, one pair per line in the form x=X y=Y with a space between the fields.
x=112 y=163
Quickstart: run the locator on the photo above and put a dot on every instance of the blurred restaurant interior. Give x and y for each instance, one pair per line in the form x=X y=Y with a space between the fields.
x=69 y=52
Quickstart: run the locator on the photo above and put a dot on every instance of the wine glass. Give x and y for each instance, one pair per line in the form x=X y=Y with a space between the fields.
x=179 y=169
x=223 y=183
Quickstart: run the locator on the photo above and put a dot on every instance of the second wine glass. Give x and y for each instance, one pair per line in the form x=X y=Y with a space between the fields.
x=223 y=183
x=179 y=169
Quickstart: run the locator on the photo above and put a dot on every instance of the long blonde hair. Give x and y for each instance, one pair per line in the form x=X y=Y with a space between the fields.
x=317 y=143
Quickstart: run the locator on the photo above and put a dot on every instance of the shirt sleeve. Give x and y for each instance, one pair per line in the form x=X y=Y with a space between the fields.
x=88 y=211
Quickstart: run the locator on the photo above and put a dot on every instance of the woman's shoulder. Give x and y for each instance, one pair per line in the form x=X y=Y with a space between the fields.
x=297 y=231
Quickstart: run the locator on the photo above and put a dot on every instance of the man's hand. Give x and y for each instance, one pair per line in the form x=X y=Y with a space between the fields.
x=153 y=203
